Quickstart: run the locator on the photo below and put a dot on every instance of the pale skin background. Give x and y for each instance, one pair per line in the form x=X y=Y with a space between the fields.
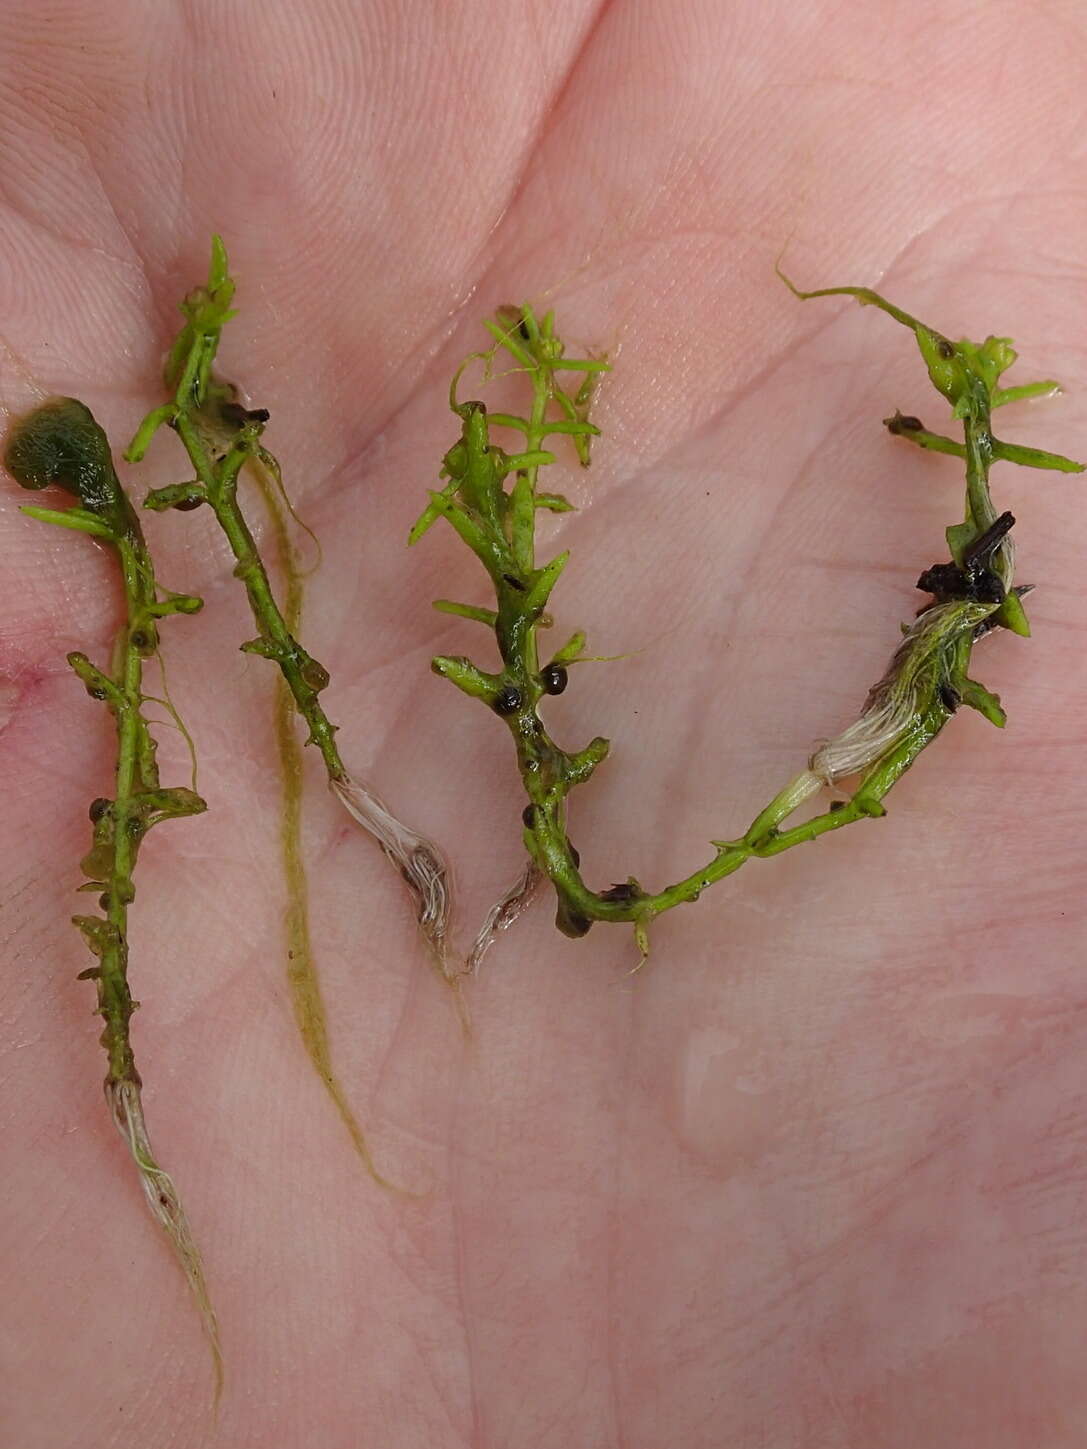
x=815 y=1177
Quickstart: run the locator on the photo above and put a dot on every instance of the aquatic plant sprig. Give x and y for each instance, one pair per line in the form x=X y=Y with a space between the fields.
x=499 y=525
x=61 y=443
x=221 y=438
x=924 y=683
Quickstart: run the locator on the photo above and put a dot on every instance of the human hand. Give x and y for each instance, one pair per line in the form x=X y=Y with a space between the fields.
x=810 y=1178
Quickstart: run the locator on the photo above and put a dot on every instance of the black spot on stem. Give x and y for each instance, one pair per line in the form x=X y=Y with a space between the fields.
x=624 y=891
x=507 y=701
x=903 y=423
x=237 y=416
x=949 y=698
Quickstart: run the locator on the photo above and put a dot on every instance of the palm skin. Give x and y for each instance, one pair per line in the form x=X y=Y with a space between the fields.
x=814 y=1177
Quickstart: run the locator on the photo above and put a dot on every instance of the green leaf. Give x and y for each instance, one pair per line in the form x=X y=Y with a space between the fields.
x=1035 y=458
x=1005 y=395
x=266 y=648
x=581 y=765
x=77 y=519
x=984 y=701
x=464 y=674
x=1013 y=616
x=959 y=538
x=219 y=270
x=431 y=512
x=147 y=430
x=466 y=611
x=545 y=580
x=571 y=650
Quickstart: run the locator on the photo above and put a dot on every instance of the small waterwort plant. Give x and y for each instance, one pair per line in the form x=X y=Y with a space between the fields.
x=222 y=438
x=61 y=444
x=491 y=499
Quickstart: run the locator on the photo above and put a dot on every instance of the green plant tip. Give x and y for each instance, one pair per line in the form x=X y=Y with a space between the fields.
x=61 y=443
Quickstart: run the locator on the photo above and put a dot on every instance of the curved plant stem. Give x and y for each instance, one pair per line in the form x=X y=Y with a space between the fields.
x=60 y=443
x=491 y=498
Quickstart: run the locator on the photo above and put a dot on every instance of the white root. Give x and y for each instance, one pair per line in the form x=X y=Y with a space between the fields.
x=424 y=868
x=504 y=912
x=126 y=1109
x=891 y=707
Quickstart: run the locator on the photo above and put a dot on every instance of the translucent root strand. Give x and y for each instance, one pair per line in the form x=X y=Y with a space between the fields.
x=503 y=913
x=126 y=1109
x=422 y=865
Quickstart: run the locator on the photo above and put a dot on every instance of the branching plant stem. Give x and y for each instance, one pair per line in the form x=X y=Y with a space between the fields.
x=491 y=498
x=221 y=438
x=60 y=443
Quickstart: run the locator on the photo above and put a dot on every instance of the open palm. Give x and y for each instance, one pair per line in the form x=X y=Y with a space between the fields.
x=814 y=1177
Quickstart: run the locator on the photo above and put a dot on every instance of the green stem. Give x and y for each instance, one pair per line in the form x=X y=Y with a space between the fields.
x=304 y=676
x=220 y=436
x=115 y=999
x=60 y=443
x=906 y=710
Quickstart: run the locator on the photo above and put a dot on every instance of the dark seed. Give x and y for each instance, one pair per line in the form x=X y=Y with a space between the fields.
x=186 y=505
x=836 y=805
x=98 y=808
x=945 y=348
x=513 y=582
x=528 y=817
x=315 y=674
x=507 y=701
x=554 y=678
